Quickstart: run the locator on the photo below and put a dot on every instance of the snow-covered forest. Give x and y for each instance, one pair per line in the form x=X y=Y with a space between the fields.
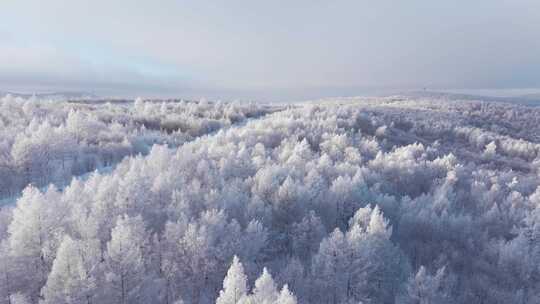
x=44 y=142
x=360 y=200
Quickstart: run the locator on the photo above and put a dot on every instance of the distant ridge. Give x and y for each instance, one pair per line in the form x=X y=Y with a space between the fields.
x=529 y=99
x=68 y=95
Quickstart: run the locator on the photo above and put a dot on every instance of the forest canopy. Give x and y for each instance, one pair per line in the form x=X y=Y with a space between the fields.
x=360 y=200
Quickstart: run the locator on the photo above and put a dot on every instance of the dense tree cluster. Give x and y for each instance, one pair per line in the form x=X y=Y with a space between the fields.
x=350 y=201
x=43 y=142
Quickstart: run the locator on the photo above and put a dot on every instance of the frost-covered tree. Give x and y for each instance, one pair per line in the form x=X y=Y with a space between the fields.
x=286 y=296
x=73 y=275
x=361 y=264
x=124 y=260
x=265 y=290
x=234 y=284
x=35 y=234
x=424 y=288
x=329 y=268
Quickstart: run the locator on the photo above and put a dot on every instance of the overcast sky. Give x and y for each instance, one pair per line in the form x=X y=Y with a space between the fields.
x=267 y=49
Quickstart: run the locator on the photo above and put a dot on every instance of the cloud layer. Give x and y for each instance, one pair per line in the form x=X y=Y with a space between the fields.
x=277 y=49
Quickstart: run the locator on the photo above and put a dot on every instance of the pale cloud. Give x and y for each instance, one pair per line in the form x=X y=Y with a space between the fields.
x=278 y=46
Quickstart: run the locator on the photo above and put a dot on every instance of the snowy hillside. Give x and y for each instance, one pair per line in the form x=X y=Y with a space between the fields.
x=353 y=200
